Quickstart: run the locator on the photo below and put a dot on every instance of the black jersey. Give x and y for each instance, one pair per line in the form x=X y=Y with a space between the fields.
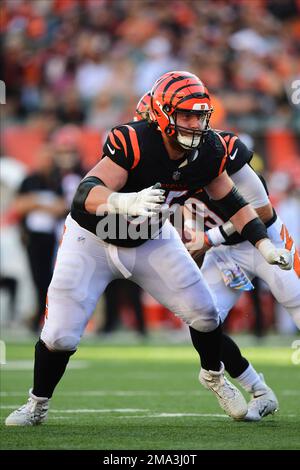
x=238 y=155
x=138 y=147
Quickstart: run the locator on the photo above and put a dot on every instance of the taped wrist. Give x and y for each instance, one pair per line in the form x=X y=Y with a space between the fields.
x=231 y=203
x=215 y=236
x=254 y=231
x=221 y=234
x=86 y=185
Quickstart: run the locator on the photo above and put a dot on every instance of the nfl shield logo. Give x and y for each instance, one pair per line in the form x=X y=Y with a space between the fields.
x=176 y=175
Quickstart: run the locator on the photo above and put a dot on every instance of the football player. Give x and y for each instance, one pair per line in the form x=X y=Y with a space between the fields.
x=114 y=231
x=143 y=108
x=200 y=211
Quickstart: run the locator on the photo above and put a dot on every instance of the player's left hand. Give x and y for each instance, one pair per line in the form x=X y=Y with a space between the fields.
x=279 y=256
x=282 y=258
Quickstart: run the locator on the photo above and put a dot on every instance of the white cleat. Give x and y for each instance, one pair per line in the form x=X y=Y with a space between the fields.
x=229 y=397
x=32 y=413
x=263 y=403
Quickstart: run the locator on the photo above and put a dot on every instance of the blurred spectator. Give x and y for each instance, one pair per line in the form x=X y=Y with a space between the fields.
x=40 y=205
x=66 y=143
x=67 y=157
x=158 y=60
x=70 y=110
x=12 y=173
x=285 y=190
x=103 y=113
x=246 y=52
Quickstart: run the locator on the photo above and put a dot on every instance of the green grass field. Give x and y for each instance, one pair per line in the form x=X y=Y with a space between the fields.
x=147 y=397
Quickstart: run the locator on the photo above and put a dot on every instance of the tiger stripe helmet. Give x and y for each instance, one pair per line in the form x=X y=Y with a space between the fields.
x=143 y=108
x=180 y=91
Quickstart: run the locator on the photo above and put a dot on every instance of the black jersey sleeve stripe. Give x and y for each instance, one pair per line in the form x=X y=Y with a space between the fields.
x=223 y=162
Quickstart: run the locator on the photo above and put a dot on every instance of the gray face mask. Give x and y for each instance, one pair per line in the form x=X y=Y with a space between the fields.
x=191 y=138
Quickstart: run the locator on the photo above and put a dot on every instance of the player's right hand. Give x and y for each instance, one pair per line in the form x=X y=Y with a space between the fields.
x=143 y=203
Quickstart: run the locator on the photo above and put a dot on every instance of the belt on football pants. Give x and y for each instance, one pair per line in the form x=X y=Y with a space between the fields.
x=114 y=256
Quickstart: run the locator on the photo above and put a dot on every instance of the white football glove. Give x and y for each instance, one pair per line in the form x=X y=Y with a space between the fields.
x=279 y=256
x=146 y=202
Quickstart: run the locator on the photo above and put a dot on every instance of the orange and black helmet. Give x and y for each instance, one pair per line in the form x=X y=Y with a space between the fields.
x=175 y=92
x=143 y=108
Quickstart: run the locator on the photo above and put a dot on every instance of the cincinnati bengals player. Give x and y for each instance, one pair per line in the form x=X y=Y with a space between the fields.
x=200 y=208
x=284 y=286
x=102 y=241
x=143 y=108
x=243 y=258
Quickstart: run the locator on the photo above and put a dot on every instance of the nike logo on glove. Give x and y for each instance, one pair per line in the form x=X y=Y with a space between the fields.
x=232 y=157
x=112 y=151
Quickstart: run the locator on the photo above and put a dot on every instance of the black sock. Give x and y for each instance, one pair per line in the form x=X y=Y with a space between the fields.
x=49 y=367
x=231 y=356
x=208 y=346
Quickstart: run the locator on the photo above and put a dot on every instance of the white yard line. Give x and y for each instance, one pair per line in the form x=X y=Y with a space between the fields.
x=117 y=393
x=103 y=410
x=132 y=410
x=122 y=410
x=86 y=410
x=177 y=415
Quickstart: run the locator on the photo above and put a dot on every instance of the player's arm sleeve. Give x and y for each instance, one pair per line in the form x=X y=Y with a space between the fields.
x=250 y=186
x=253 y=191
x=122 y=147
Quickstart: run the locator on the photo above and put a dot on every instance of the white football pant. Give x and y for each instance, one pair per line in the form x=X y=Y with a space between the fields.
x=85 y=265
x=284 y=285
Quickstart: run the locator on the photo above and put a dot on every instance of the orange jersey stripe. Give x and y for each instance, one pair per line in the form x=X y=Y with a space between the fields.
x=289 y=245
x=297 y=263
x=225 y=155
x=122 y=139
x=135 y=146
x=231 y=144
x=112 y=139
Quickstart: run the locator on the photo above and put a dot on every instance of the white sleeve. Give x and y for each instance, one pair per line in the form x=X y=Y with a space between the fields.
x=250 y=186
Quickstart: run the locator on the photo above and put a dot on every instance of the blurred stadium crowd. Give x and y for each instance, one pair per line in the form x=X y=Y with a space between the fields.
x=75 y=68
x=88 y=61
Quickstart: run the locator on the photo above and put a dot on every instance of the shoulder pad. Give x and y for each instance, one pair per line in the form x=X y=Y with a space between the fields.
x=216 y=142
